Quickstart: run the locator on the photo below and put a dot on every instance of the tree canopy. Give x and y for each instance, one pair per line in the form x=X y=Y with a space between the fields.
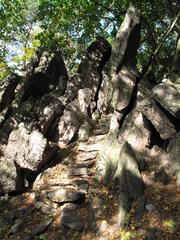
x=69 y=26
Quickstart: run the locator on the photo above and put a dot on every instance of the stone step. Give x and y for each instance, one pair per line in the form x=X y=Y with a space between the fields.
x=85 y=156
x=72 y=220
x=61 y=195
x=86 y=164
x=100 y=131
x=89 y=147
x=79 y=172
x=96 y=138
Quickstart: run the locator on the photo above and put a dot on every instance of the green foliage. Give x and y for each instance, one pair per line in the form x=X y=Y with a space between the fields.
x=69 y=26
x=170 y=225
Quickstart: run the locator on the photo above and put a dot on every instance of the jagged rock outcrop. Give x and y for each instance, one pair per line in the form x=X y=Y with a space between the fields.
x=7 y=90
x=97 y=126
x=50 y=73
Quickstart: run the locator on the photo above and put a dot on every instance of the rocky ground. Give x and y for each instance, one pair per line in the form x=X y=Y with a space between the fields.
x=68 y=201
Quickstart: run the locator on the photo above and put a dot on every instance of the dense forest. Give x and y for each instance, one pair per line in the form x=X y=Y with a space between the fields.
x=89 y=119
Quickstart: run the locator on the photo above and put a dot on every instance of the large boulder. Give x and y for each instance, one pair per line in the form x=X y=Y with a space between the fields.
x=169 y=97
x=29 y=149
x=158 y=118
x=26 y=152
x=96 y=55
x=11 y=178
x=74 y=115
x=47 y=110
x=7 y=90
x=49 y=74
x=122 y=69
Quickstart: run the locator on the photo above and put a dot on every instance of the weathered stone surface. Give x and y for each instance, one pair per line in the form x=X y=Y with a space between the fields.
x=62 y=195
x=174 y=153
x=158 y=118
x=28 y=149
x=24 y=113
x=11 y=178
x=86 y=164
x=85 y=156
x=96 y=138
x=89 y=147
x=79 y=172
x=101 y=129
x=50 y=73
x=74 y=115
x=169 y=97
x=109 y=154
x=47 y=109
x=7 y=90
x=126 y=80
x=93 y=60
x=122 y=63
x=42 y=227
x=84 y=132
x=161 y=176
x=72 y=221
x=16 y=227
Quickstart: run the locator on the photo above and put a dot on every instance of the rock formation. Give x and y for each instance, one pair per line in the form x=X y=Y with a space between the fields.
x=104 y=118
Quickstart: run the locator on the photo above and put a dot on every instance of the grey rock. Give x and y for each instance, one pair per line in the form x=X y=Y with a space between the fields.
x=128 y=174
x=174 y=153
x=96 y=55
x=79 y=172
x=89 y=147
x=96 y=115
x=73 y=116
x=169 y=97
x=72 y=221
x=103 y=226
x=7 y=90
x=84 y=132
x=62 y=195
x=84 y=156
x=86 y=164
x=69 y=207
x=161 y=176
x=50 y=73
x=28 y=149
x=153 y=112
x=41 y=228
x=47 y=109
x=16 y=227
x=150 y=207
x=9 y=218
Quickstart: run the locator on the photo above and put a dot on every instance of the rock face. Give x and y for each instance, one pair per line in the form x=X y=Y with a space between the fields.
x=74 y=115
x=49 y=73
x=169 y=97
x=25 y=150
x=28 y=149
x=25 y=122
x=174 y=152
x=7 y=90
